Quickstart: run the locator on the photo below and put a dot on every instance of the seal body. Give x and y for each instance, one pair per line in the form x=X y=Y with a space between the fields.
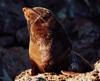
x=49 y=46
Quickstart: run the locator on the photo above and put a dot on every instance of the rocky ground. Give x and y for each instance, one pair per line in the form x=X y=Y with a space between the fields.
x=89 y=76
x=80 y=20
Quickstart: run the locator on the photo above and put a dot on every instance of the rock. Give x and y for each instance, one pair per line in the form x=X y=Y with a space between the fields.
x=97 y=65
x=11 y=16
x=51 y=4
x=84 y=35
x=98 y=52
x=15 y=60
x=1 y=72
x=27 y=73
x=89 y=76
x=1 y=25
x=7 y=41
x=5 y=76
x=85 y=8
x=77 y=8
x=10 y=26
x=22 y=37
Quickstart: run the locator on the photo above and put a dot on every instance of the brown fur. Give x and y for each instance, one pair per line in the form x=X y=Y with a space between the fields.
x=49 y=47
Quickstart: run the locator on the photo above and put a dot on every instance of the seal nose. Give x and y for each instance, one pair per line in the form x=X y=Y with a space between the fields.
x=24 y=9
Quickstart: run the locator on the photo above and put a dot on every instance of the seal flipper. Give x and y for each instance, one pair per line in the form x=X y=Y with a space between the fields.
x=77 y=63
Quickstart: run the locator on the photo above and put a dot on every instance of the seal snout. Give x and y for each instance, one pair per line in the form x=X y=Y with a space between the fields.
x=24 y=9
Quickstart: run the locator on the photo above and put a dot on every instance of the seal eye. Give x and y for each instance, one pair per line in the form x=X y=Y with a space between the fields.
x=46 y=16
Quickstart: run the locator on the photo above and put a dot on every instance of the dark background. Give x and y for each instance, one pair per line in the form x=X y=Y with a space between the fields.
x=80 y=19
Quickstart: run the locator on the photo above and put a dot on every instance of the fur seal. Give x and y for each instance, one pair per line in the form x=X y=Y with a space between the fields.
x=49 y=46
